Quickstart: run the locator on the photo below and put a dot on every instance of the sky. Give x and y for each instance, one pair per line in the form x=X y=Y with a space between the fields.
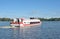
x=29 y=8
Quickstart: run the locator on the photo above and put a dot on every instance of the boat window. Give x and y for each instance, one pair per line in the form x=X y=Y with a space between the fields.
x=34 y=22
x=24 y=22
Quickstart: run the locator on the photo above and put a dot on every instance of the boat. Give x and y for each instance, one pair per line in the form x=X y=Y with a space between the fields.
x=24 y=22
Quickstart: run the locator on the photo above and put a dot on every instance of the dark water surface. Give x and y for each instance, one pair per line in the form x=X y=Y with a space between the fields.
x=47 y=30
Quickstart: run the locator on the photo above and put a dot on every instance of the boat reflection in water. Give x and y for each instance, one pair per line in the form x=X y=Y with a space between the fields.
x=15 y=33
x=27 y=32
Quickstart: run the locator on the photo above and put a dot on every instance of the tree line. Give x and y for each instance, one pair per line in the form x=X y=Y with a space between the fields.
x=42 y=19
x=5 y=19
x=49 y=19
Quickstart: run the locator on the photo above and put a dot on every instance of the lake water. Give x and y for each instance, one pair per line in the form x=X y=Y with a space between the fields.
x=47 y=30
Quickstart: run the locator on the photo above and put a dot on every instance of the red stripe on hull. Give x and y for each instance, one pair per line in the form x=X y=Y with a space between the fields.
x=16 y=23
x=23 y=25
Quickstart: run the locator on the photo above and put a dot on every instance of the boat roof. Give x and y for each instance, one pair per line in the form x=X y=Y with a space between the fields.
x=31 y=20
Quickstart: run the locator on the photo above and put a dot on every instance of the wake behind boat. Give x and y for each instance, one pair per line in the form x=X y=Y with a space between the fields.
x=24 y=22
